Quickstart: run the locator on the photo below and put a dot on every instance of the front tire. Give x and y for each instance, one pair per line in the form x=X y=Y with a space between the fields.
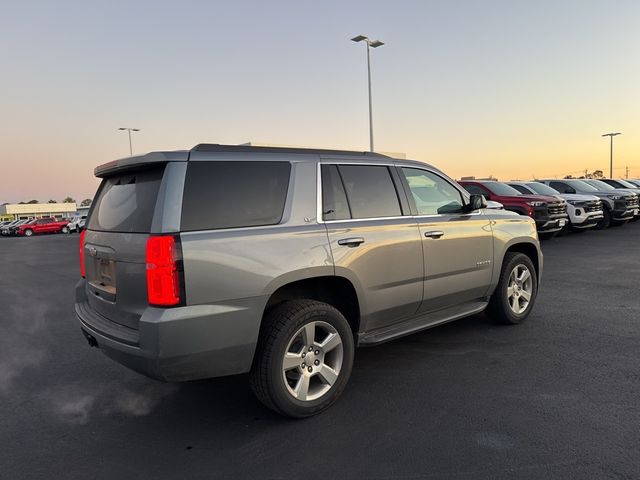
x=28 y=232
x=65 y=230
x=516 y=292
x=304 y=358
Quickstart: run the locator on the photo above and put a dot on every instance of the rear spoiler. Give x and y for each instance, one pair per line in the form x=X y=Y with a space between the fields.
x=128 y=163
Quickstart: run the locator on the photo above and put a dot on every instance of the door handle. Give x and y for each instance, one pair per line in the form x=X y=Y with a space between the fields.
x=434 y=234
x=351 y=242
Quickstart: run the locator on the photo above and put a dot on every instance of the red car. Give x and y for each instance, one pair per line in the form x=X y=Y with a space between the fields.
x=43 y=225
x=550 y=213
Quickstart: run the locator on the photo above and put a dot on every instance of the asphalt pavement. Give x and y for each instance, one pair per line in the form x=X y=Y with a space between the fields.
x=556 y=397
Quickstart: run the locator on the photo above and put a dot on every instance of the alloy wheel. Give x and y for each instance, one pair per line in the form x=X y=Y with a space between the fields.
x=519 y=289
x=312 y=361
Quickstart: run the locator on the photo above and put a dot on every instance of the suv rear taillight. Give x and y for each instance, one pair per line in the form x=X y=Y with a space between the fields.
x=163 y=272
x=82 y=270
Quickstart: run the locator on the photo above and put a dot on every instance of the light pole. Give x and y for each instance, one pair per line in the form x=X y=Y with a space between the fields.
x=130 y=130
x=611 y=135
x=370 y=44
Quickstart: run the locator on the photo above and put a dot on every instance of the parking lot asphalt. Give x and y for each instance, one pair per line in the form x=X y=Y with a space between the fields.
x=556 y=397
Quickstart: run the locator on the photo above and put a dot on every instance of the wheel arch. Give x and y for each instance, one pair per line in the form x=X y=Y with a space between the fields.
x=529 y=249
x=335 y=290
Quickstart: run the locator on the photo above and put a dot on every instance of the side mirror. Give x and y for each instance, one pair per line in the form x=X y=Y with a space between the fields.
x=476 y=202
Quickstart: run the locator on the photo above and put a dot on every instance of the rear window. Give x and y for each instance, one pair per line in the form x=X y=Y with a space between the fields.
x=125 y=202
x=234 y=194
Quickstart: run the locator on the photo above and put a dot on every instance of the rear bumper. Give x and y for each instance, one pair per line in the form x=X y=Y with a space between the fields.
x=178 y=344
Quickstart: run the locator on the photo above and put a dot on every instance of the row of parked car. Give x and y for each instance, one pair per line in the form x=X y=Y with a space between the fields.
x=29 y=227
x=564 y=205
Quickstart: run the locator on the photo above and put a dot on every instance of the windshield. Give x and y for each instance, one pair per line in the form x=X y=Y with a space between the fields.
x=626 y=184
x=600 y=185
x=501 y=189
x=581 y=185
x=542 y=189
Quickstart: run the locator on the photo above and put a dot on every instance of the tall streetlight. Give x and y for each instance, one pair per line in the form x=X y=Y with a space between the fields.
x=370 y=44
x=130 y=130
x=611 y=135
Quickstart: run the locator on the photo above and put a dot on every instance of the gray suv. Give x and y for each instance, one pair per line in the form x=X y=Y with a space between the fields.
x=224 y=260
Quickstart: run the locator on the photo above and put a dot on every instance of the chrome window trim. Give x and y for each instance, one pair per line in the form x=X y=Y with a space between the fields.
x=319 y=214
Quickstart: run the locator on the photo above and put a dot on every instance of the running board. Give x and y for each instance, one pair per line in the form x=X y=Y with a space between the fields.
x=422 y=322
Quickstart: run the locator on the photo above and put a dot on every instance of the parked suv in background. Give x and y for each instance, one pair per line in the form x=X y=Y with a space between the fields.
x=585 y=211
x=549 y=213
x=230 y=259
x=625 y=186
x=618 y=209
x=43 y=225
x=77 y=223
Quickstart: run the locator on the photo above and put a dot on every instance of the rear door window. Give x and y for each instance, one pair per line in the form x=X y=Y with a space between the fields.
x=370 y=191
x=222 y=194
x=334 y=198
x=125 y=202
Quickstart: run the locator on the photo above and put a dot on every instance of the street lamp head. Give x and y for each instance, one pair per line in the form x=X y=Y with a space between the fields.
x=376 y=44
x=359 y=38
x=612 y=134
x=122 y=128
x=135 y=129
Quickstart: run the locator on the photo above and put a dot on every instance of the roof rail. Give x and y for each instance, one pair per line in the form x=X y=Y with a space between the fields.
x=214 y=147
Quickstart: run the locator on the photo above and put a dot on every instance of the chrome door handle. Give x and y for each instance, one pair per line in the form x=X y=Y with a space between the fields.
x=351 y=242
x=434 y=234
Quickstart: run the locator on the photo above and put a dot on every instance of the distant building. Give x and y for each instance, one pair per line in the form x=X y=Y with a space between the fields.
x=80 y=211
x=19 y=211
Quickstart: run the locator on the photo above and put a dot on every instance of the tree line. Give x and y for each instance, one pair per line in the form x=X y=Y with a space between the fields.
x=84 y=203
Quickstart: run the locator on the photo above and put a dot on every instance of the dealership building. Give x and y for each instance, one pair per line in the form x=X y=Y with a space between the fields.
x=19 y=211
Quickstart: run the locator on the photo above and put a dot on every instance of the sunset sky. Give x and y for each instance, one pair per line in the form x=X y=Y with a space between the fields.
x=510 y=88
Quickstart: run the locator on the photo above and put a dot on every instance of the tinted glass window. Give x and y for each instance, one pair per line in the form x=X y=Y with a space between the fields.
x=502 y=189
x=476 y=190
x=431 y=193
x=542 y=189
x=370 y=191
x=580 y=185
x=125 y=202
x=234 y=194
x=521 y=188
x=561 y=187
x=600 y=185
x=334 y=199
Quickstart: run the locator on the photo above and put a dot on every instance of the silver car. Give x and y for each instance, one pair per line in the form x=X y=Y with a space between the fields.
x=279 y=262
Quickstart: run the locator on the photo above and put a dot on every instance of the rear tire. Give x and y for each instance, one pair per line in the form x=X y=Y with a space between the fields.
x=515 y=295
x=281 y=378
x=65 y=230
